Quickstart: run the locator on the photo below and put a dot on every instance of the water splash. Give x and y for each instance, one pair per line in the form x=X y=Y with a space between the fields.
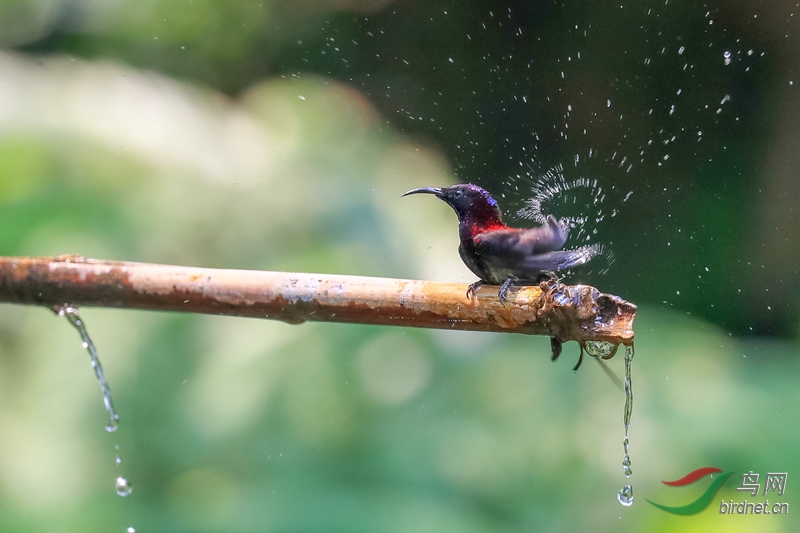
x=550 y=197
x=71 y=313
x=578 y=202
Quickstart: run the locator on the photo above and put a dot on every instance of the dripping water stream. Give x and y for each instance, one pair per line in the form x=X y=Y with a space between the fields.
x=625 y=495
x=74 y=318
x=122 y=485
x=605 y=350
x=554 y=193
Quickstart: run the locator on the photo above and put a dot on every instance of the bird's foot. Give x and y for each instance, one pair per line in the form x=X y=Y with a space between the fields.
x=556 y=346
x=501 y=294
x=473 y=288
x=580 y=360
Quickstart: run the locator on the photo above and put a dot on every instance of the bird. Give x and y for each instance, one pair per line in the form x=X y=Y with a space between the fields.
x=502 y=255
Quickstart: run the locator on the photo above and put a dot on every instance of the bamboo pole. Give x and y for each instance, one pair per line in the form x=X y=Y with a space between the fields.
x=564 y=312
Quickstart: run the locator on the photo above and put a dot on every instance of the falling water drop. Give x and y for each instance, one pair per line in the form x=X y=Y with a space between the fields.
x=626 y=459
x=123 y=487
x=625 y=496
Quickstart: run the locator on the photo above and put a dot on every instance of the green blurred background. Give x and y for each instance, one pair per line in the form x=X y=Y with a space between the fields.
x=280 y=135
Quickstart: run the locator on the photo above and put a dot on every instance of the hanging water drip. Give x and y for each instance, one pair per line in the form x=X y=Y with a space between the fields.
x=625 y=495
x=122 y=485
x=71 y=313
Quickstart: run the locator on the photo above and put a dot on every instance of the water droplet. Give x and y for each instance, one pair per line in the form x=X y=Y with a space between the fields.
x=130 y=530
x=681 y=50
x=603 y=350
x=123 y=487
x=301 y=97
x=113 y=424
x=118 y=460
x=625 y=496
x=727 y=57
x=608 y=103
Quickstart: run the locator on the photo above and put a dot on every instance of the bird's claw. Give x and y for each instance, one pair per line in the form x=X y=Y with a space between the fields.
x=555 y=346
x=473 y=288
x=501 y=294
x=580 y=360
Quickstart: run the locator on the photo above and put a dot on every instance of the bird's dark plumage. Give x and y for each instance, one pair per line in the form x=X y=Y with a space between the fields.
x=499 y=254
x=502 y=255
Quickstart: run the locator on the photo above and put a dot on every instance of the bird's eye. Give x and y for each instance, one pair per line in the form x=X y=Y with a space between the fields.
x=458 y=193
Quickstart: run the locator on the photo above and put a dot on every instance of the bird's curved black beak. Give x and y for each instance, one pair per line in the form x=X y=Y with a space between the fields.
x=427 y=190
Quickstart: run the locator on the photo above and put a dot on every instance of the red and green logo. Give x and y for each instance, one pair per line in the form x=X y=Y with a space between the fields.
x=705 y=499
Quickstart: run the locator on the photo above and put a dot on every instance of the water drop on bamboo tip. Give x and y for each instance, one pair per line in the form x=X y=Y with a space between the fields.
x=123 y=487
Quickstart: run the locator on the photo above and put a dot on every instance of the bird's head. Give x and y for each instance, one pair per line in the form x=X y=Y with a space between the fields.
x=470 y=202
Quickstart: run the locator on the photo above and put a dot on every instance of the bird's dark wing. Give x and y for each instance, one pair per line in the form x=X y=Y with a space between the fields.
x=547 y=238
x=526 y=254
x=559 y=260
x=523 y=242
